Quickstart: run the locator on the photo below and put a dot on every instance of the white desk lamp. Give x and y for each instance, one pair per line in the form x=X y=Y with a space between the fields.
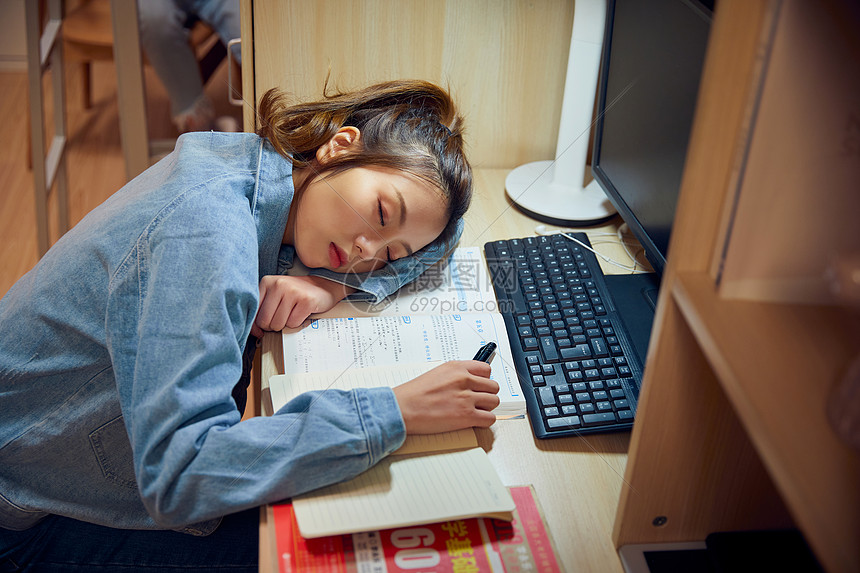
x=552 y=191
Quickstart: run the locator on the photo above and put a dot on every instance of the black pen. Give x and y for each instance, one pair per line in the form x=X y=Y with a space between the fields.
x=485 y=352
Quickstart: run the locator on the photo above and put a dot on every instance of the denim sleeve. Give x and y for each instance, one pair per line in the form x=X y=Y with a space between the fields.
x=178 y=323
x=376 y=285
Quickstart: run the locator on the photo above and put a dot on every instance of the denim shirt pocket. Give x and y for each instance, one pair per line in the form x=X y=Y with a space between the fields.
x=113 y=452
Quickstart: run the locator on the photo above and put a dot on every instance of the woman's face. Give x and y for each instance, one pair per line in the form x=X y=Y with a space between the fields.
x=359 y=219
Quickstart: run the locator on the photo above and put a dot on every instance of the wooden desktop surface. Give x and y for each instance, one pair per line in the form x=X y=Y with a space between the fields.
x=578 y=480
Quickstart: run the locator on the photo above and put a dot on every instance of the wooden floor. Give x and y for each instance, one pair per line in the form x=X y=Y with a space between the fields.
x=95 y=163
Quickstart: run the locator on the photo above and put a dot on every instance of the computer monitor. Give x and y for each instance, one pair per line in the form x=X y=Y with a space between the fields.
x=652 y=62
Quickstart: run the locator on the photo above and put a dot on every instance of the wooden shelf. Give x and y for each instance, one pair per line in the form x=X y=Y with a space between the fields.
x=732 y=430
x=776 y=364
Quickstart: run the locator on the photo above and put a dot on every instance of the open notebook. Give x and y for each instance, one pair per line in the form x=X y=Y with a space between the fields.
x=432 y=477
x=447 y=314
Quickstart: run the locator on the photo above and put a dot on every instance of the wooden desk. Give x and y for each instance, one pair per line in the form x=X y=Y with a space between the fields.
x=731 y=431
x=578 y=481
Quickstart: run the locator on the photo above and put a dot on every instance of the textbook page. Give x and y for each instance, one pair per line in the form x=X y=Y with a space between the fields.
x=347 y=343
x=407 y=490
x=285 y=387
x=458 y=284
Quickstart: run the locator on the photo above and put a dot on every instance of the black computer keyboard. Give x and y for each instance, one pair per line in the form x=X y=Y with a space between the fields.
x=572 y=353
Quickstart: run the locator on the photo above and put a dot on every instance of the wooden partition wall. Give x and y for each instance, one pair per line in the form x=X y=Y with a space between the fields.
x=504 y=61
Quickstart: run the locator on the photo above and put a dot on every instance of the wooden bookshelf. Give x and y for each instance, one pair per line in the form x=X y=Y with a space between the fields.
x=732 y=431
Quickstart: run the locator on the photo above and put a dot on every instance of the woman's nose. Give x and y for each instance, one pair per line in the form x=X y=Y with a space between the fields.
x=367 y=247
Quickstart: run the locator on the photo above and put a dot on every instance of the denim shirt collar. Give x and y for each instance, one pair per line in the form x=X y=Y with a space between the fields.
x=270 y=204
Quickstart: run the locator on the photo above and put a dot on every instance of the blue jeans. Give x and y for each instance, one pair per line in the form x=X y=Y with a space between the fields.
x=62 y=544
x=164 y=39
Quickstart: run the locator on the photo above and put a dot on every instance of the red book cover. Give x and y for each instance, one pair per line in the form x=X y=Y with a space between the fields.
x=460 y=546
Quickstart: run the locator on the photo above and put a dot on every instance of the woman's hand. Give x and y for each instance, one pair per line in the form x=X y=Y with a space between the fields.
x=453 y=396
x=287 y=301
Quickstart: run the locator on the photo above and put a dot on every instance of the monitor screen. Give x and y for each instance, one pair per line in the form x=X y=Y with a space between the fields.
x=652 y=61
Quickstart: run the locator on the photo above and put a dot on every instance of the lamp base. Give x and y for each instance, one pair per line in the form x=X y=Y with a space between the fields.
x=533 y=191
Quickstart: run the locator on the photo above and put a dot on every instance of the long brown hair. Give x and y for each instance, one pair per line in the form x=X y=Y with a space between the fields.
x=410 y=125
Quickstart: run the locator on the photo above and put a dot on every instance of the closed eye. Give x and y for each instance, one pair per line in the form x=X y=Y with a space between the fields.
x=381 y=214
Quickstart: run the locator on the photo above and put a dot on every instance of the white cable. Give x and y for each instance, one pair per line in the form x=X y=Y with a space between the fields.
x=620 y=233
x=602 y=256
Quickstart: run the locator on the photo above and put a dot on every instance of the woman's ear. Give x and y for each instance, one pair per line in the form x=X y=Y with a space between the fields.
x=345 y=140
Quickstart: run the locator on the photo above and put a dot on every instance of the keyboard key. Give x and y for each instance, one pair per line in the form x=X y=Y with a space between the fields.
x=575 y=352
x=598 y=346
x=598 y=419
x=546 y=396
x=624 y=415
x=563 y=423
x=568 y=410
x=547 y=346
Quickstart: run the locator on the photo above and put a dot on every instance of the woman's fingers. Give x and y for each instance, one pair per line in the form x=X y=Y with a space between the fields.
x=452 y=396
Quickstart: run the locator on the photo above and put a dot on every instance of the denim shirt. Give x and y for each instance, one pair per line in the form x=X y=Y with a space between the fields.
x=119 y=351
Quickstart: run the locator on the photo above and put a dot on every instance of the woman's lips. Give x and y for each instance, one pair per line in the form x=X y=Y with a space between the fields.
x=335 y=255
